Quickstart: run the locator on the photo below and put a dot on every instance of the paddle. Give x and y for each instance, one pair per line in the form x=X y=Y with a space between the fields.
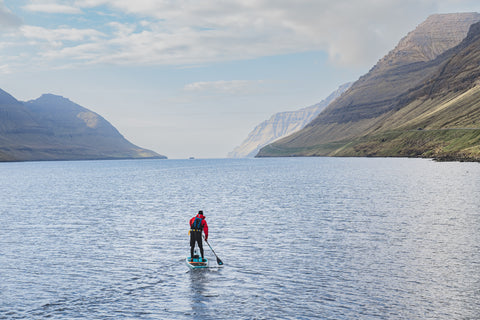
x=220 y=263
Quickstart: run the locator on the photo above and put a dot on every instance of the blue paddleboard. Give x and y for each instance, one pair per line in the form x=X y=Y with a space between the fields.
x=196 y=263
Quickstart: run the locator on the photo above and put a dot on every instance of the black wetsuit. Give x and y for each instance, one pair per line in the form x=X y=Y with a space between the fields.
x=196 y=236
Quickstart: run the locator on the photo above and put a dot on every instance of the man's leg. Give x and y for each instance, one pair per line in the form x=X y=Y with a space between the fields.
x=192 y=243
x=200 y=244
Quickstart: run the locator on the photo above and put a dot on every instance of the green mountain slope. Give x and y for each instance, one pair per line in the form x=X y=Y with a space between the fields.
x=421 y=109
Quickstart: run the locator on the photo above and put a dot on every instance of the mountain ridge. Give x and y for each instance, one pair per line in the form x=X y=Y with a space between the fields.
x=52 y=127
x=280 y=125
x=367 y=123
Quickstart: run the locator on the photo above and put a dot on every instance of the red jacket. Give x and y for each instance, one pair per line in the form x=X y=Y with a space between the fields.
x=204 y=224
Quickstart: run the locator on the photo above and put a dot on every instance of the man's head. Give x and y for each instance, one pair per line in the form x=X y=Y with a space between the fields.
x=200 y=212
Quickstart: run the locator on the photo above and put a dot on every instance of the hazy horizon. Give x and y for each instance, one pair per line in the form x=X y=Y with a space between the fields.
x=193 y=79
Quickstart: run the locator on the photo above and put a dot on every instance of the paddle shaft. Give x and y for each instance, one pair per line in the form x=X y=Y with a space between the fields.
x=218 y=259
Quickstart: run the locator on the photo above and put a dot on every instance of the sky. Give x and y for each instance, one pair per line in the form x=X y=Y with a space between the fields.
x=190 y=78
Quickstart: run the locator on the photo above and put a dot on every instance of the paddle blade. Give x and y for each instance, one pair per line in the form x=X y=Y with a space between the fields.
x=220 y=263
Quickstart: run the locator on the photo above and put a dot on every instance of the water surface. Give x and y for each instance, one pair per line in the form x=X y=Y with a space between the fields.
x=301 y=238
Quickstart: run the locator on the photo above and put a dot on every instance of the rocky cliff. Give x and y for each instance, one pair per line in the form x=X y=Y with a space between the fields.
x=54 y=128
x=281 y=125
x=434 y=36
x=408 y=104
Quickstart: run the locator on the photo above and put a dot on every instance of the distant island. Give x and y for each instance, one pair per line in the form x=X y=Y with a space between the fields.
x=55 y=128
x=421 y=100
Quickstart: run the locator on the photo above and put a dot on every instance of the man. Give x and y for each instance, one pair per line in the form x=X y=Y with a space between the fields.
x=197 y=225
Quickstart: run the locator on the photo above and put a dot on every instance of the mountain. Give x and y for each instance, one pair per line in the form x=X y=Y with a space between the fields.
x=280 y=125
x=420 y=100
x=55 y=128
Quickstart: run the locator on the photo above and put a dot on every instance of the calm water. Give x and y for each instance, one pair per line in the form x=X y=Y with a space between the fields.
x=300 y=238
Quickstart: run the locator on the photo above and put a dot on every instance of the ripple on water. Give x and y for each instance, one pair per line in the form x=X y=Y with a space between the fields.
x=300 y=238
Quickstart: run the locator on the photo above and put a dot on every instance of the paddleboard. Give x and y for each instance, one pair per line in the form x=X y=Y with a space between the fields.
x=196 y=263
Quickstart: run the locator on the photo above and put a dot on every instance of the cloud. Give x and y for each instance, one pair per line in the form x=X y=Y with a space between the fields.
x=352 y=32
x=231 y=87
x=59 y=48
x=51 y=7
x=61 y=34
x=7 y=18
x=5 y=69
x=183 y=32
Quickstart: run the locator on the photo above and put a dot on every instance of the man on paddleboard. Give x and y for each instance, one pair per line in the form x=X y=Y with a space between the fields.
x=197 y=225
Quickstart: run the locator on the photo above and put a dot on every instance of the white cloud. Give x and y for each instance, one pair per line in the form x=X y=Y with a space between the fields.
x=51 y=7
x=61 y=34
x=352 y=32
x=5 y=69
x=7 y=18
x=75 y=55
x=231 y=87
x=184 y=32
x=347 y=30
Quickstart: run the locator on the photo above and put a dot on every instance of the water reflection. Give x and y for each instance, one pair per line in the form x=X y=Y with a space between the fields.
x=198 y=298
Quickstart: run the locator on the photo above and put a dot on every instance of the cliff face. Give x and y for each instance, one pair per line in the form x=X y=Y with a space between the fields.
x=408 y=105
x=54 y=128
x=401 y=70
x=280 y=125
x=434 y=36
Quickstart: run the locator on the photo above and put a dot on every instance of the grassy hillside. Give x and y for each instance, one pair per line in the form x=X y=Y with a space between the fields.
x=445 y=128
x=422 y=109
